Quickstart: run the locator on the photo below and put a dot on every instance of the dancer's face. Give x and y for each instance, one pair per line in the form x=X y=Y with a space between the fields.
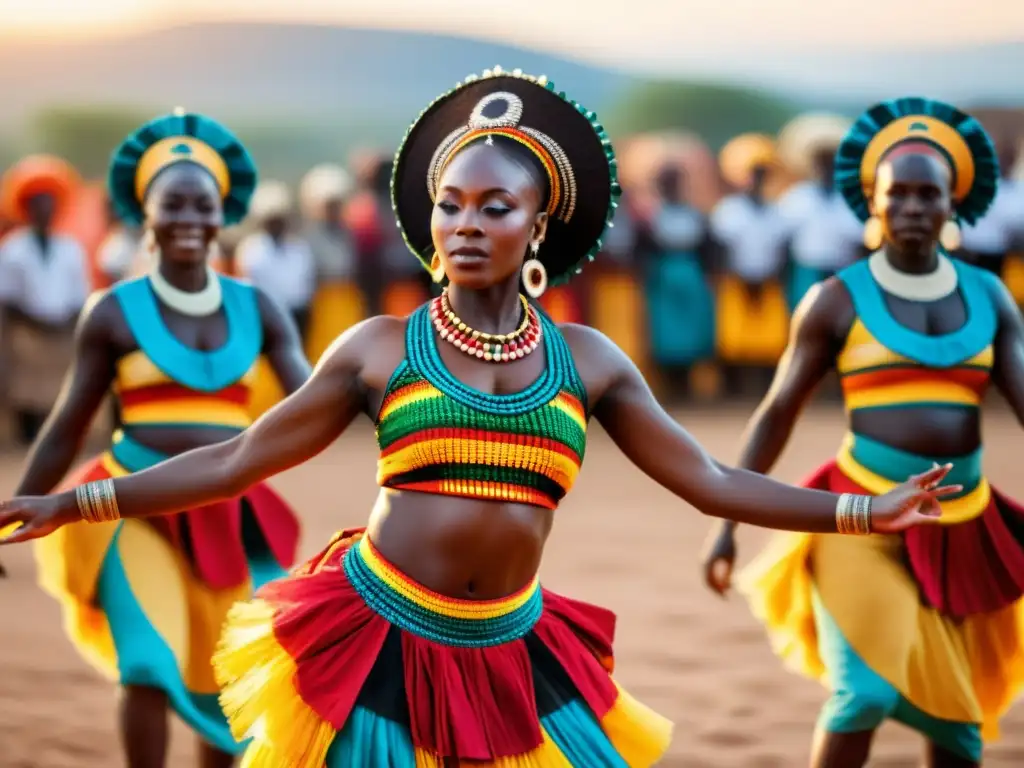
x=912 y=199
x=488 y=211
x=184 y=210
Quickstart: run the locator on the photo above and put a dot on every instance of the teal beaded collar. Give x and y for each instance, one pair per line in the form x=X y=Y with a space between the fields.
x=423 y=356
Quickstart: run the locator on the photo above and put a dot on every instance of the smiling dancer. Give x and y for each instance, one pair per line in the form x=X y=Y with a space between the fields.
x=924 y=628
x=144 y=600
x=426 y=639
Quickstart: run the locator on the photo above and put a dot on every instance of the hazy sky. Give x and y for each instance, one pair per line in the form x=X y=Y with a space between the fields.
x=642 y=31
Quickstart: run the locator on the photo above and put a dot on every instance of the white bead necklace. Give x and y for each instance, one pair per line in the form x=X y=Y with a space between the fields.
x=937 y=284
x=194 y=303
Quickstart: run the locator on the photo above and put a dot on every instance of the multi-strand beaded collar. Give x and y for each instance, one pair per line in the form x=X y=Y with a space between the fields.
x=493 y=347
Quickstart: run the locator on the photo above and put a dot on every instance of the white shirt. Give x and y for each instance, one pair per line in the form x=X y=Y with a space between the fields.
x=824 y=231
x=1001 y=225
x=333 y=251
x=285 y=272
x=50 y=287
x=678 y=228
x=753 y=236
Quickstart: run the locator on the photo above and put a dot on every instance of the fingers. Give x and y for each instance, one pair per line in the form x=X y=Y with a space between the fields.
x=932 y=477
x=720 y=576
x=25 y=532
x=945 y=490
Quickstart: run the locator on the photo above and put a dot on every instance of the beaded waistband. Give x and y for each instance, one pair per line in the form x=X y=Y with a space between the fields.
x=446 y=620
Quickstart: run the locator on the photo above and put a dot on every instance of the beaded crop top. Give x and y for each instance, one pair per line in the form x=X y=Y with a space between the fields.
x=884 y=364
x=437 y=435
x=167 y=384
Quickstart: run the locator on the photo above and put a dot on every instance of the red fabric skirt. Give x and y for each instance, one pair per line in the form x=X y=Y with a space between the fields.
x=349 y=659
x=962 y=569
x=218 y=539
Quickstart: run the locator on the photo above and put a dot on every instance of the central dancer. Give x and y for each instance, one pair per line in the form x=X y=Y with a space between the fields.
x=426 y=638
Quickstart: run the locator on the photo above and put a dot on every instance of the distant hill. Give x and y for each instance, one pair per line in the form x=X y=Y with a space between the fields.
x=264 y=71
x=317 y=90
x=311 y=72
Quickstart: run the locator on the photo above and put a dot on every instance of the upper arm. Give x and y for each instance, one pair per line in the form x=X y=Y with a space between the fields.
x=309 y=420
x=282 y=344
x=92 y=367
x=814 y=342
x=624 y=405
x=1008 y=364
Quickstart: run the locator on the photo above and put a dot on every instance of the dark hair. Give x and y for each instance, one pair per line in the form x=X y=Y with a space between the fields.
x=526 y=160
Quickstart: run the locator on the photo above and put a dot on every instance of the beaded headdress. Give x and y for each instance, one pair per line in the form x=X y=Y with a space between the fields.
x=181 y=137
x=36 y=175
x=956 y=137
x=565 y=138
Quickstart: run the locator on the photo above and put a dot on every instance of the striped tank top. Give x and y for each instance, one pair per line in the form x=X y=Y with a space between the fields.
x=438 y=435
x=167 y=384
x=884 y=364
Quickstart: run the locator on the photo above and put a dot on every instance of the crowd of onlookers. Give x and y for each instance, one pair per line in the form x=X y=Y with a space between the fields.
x=697 y=287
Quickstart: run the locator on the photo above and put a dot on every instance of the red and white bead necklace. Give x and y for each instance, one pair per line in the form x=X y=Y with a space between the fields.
x=493 y=347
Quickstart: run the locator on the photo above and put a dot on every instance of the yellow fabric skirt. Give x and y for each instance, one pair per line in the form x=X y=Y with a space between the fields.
x=968 y=671
x=133 y=608
x=618 y=309
x=336 y=308
x=750 y=331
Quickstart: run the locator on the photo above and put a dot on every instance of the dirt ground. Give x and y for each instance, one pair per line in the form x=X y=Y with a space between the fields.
x=619 y=541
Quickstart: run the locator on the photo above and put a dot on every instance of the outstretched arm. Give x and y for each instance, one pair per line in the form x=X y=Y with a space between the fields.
x=296 y=429
x=623 y=404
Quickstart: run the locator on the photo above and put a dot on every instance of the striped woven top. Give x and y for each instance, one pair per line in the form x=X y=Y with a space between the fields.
x=438 y=435
x=885 y=365
x=149 y=397
x=167 y=384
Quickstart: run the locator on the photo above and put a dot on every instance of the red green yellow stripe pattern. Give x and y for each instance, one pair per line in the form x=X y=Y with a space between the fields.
x=148 y=397
x=873 y=376
x=434 y=441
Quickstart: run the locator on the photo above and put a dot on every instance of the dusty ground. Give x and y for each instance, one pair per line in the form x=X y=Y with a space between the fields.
x=619 y=541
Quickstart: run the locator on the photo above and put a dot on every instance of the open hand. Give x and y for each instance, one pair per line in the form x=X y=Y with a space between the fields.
x=912 y=503
x=33 y=517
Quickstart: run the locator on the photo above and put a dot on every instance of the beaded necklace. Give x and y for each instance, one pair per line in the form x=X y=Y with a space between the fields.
x=498 y=347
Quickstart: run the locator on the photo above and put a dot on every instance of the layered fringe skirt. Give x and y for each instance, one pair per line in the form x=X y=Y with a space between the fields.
x=138 y=607
x=926 y=628
x=349 y=662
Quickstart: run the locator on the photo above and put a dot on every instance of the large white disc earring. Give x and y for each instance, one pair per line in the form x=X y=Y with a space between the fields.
x=535 y=276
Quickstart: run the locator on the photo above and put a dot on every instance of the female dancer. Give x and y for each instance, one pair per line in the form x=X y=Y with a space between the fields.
x=923 y=628
x=146 y=600
x=426 y=639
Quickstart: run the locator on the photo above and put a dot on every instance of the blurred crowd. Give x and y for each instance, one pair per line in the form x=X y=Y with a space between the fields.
x=706 y=260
